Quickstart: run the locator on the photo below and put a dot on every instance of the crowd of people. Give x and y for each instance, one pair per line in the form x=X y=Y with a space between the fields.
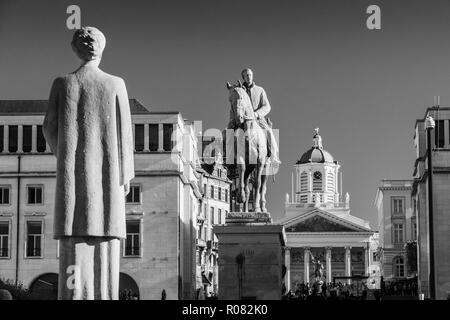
x=328 y=291
x=353 y=291
x=128 y=294
x=400 y=288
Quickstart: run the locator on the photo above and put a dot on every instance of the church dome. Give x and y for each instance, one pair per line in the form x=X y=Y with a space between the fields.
x=316 y=154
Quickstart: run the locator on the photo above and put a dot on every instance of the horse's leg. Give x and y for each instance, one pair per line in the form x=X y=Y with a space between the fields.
x=259 y=170
x=247 y=186
x=263 y=192
x=242 y=198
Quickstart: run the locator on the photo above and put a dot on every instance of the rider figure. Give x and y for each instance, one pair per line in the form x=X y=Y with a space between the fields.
x=261 y=106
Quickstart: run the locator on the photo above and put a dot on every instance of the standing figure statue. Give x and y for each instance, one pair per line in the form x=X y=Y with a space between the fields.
x=249 y=108
x=318 y=268
x=88 y=128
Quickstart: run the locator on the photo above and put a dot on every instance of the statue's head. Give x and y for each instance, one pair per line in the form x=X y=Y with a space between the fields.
x=247 y=75
x=88 y=43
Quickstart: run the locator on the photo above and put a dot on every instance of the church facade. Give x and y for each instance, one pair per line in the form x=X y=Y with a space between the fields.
x=319 y=227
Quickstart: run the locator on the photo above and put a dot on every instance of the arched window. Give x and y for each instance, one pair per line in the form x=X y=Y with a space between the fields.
x=317 y=181
x=399 y=267
x=45 y=287
x=303 y=182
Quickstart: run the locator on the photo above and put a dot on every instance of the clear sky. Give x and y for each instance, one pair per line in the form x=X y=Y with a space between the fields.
x=320 y=65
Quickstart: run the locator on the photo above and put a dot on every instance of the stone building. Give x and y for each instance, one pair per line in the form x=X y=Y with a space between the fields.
x=161 y=208
x=319 y=225
x=397 y=225
x=441 y=201
x=215 y=205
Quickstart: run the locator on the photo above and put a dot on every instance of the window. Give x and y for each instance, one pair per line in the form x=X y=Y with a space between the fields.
x=167 y=137
x=398 y=205
x=133 y=240
x=398 y=232
x=139 y=137
x=219 y=216
x=2 y=128
x=303 y=182
x=41 y=144
x=220 y=193
x=212 y=215
x=134 y=196
x=153 y=135
x=226 y=195
x=26 y=145
x=317 y=181
x=35 y=195
x=439 y=134
x=4 y=195
x=4 y=239
x=414 y=230
x=34 y=239
x=204 y=189
x=199 y=231
x=330 y=181
x=13 y=137
x=399 y=267
x=212 y=192
x=374 y=256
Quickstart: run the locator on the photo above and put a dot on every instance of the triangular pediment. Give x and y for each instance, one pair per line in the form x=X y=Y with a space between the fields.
x=322 y=221
x=318 y=224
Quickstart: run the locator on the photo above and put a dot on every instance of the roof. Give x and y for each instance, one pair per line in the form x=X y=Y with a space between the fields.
x=317 y=155
x=358 y=224
x=22 y=107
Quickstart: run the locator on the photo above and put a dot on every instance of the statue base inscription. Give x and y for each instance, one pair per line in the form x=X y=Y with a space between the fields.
x=248 y=218
x=250 y=264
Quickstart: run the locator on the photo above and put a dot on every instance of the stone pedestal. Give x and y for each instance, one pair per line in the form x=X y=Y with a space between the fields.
x=250 y=257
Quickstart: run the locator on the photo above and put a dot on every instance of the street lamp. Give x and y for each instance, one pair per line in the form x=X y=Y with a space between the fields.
x=429 y=126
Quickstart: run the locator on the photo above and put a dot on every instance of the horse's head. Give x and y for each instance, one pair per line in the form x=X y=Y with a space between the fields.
x=240 y=102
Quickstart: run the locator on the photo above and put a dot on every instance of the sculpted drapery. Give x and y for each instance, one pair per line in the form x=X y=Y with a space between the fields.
x=88 y=128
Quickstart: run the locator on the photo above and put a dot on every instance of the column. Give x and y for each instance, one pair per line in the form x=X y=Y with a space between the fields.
x=306 y=264
x=146 y=138
x=446 y=134
x=328 y=263
x=287 y=263
x=348 y=263
x=310 y=195
x=20 y=139
x=6 y=139
x=160 y=137
x=133 y=126
x=366 y=259
x=175 y=143
x=34 y=138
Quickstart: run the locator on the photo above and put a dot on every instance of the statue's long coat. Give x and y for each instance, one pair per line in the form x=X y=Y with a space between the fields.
x=88 y=127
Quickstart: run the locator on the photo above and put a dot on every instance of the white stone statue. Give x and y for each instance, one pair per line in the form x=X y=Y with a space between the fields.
x=287 y=198
x=347 y=198
x=88 y=128
x=317 y=139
